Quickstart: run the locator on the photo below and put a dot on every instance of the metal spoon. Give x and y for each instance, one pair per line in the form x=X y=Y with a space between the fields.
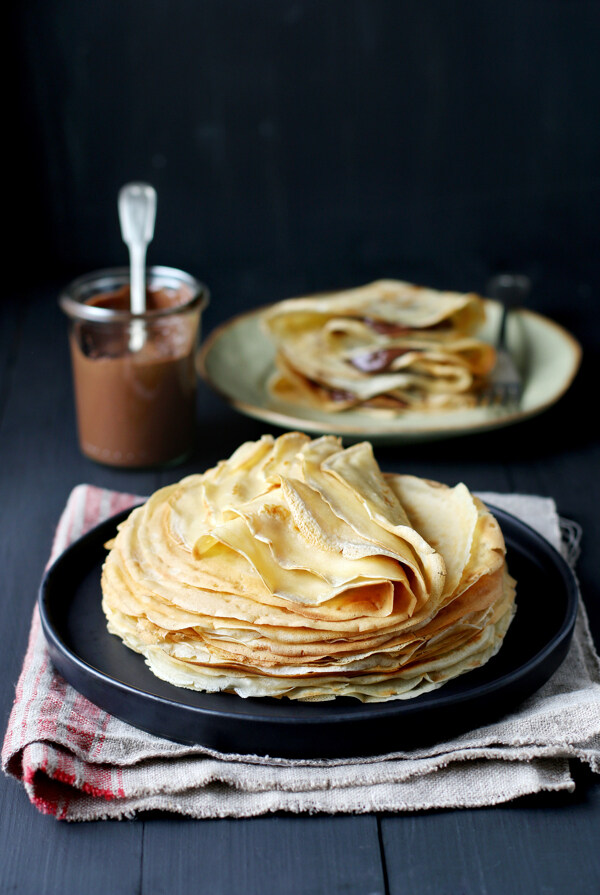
x=137 y=214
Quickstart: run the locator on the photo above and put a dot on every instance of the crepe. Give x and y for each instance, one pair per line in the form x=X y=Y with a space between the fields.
x=297 y=568
x=387 y=347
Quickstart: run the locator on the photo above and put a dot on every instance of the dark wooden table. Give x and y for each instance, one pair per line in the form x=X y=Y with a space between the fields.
x=546 y=844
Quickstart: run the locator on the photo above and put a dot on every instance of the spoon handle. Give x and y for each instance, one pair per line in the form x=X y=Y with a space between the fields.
x=137 y=277
x=137 y=214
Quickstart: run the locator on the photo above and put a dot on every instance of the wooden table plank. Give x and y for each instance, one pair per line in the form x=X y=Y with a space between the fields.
x=547 y=844
x=40 y=855
x=11 y=314
x=263 y=856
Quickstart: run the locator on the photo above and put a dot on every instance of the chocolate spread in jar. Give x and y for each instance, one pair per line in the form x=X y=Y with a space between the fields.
x=136 y=407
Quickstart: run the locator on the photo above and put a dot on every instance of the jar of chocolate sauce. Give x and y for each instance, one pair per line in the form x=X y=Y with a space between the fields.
x=135 y=375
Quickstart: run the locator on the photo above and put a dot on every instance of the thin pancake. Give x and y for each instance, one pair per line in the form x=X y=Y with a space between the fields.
x=297 y=568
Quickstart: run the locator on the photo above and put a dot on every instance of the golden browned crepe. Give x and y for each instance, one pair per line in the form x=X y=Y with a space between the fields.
x=296 y=568
x=388 y=346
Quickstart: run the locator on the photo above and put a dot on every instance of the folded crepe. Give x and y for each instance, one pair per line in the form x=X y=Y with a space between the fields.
x=297 y=568
x=388 y=346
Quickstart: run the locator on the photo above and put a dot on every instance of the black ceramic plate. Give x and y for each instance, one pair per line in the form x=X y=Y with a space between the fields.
x=109 y=674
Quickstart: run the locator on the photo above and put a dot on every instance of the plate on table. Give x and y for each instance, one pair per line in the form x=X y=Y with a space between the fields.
x=117 y=679
x=238 y=359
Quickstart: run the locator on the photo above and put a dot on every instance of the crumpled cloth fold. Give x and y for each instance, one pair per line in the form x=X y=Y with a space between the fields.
x=79 y=763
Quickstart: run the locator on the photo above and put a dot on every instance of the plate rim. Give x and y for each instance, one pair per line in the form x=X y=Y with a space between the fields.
x=373 y=428
x=347 y=713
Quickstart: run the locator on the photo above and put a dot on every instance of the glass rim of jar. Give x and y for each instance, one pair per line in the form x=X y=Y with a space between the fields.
x=114 y=277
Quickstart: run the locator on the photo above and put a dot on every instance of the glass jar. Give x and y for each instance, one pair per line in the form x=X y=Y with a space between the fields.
x=134 y=375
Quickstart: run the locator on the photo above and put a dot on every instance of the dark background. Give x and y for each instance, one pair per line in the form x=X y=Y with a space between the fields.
x=298 y=145
x=306 y=144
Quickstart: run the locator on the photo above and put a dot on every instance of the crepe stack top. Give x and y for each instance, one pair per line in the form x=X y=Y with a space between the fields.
x=296 y=568
x=386 y=347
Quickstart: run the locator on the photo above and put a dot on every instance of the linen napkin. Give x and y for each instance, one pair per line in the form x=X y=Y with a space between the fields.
x=79 y=763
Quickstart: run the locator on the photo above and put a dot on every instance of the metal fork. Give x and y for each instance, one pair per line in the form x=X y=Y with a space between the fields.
x=505 y=385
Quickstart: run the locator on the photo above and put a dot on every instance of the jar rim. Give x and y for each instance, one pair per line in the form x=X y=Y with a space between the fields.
x=115 y=277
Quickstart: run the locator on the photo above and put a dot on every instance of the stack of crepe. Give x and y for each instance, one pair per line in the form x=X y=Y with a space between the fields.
x=389 y=346
x=296 y=568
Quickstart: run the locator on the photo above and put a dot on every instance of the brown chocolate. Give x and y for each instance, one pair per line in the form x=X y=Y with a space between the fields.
x=136 y=408
x=378 y=360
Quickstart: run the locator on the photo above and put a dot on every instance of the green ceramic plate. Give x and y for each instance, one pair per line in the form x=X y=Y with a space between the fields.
x=237 y=360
